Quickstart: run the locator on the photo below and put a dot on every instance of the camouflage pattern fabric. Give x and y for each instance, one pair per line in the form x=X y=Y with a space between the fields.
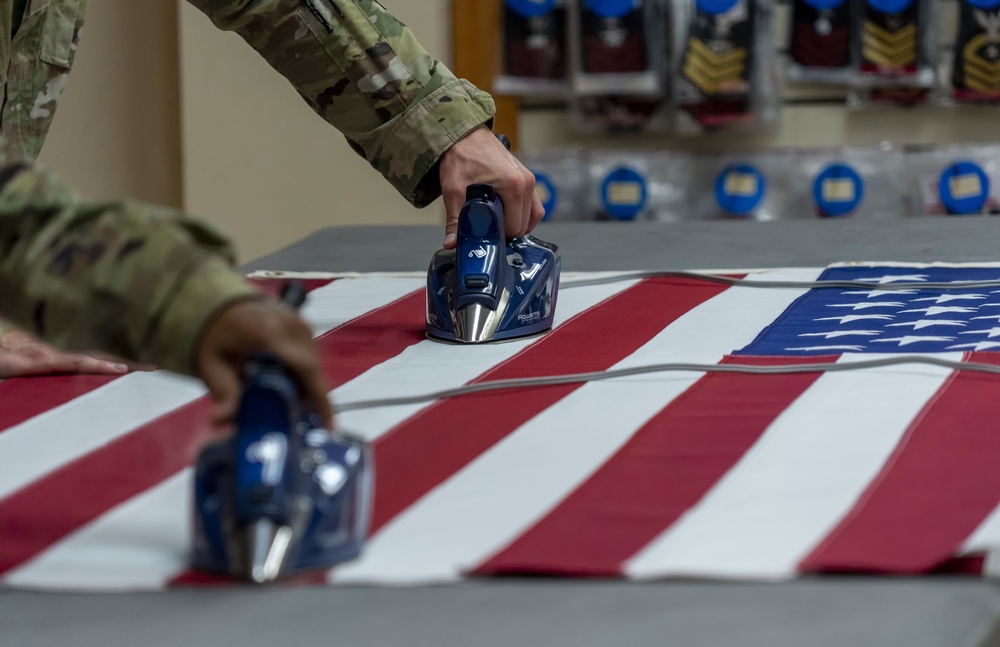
x=140 y=281
x=36 y=64
x=130 y=279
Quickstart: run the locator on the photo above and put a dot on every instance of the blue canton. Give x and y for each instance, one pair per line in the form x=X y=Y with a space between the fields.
x=831 y=321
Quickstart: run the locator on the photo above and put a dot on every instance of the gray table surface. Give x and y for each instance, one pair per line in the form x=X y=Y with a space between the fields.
x=940 y=611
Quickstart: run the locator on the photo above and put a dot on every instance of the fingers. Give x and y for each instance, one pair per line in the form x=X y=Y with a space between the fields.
x=537 y=211
x=481 y=158
x=515 y=216
x=223 y=384
x=454 y=200
x=90 y=365
x=252 y=327
x=316 y=390
x=529 y=197
x=47 y=362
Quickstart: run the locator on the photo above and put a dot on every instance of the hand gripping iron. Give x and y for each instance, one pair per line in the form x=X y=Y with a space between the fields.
x=489 y=288
x=282 y=495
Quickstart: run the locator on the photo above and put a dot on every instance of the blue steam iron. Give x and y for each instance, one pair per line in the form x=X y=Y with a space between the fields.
x=282 y=495
x=489 y=288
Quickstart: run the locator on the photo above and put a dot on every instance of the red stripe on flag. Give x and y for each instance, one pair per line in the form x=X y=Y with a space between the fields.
x=24 y=398
x=965 y=565
x=428 y=448
x=46 y=511
x=49 y=509
x=933 y=492
x=665 y=468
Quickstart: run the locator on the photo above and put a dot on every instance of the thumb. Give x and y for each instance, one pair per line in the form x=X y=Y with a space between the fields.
x=223 y=383
x=453 y=203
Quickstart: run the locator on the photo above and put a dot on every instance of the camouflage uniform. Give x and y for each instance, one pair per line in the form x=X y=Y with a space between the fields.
x=141 y=281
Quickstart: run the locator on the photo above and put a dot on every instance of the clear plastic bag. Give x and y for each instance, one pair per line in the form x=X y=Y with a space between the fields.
x=620 y=114
x=895 y=44
x=820 y=43
x=617 y=47
x=619 y=187
x=975 y=64
x=561 y=183
x=739 y=186
x=534 y=48
x=952 y=180
x=724 y=71
x=860 y=183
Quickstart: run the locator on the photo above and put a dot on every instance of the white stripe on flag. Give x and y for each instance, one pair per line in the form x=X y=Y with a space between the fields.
x=138 y=545
x=424 y=369
x=335 y=304
x=48 y=441
x=503 y=492
x=986 y=537
x=432 y=366
x=798 y=481
x=991 y=565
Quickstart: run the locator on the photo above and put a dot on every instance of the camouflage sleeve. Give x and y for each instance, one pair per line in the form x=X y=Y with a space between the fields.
x=125 y=278
x=365 y=73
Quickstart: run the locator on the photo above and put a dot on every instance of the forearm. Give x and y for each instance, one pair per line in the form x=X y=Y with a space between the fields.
x=365 y=73
x=136 y=281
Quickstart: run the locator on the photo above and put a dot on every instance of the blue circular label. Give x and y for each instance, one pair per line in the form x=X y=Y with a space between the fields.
x=547 y=193
x=890 y=6
x=964 y=188
x=611 y=8
x=623 y=193
x=825 y=5
x=532 y=8
x=984 y=4
x=715 y=7
x=740 y=188
x=838 y=190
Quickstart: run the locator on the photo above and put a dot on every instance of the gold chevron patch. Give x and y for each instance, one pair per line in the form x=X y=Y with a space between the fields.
x=737 y=55
x=710 y=71
x=981 y=74
x=889 y=49
x=891 y=37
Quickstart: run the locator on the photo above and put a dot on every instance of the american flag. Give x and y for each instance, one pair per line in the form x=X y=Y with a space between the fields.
x=685 y=474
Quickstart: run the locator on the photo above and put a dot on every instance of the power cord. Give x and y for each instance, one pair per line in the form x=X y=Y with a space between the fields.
x=822 y=367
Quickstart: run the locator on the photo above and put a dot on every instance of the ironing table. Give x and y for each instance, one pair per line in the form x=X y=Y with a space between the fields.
x=943 y=610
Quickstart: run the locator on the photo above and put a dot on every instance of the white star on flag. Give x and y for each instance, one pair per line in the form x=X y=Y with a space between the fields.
x=830 y=348
x=892 y=278
x=912 y=339
x=945 y=298
x=840 y=333
x=927 y=323
x=850 y=318
x=936 y=310
x=990 y=334
x=983 y=345
x=878 y=293
x=864 y=306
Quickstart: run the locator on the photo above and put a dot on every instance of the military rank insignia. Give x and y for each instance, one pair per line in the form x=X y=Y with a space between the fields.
x=613 y=36
x=717 y=60
x=535 y=39
x=821 y=33
x=976 y=68
x=890 y=33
